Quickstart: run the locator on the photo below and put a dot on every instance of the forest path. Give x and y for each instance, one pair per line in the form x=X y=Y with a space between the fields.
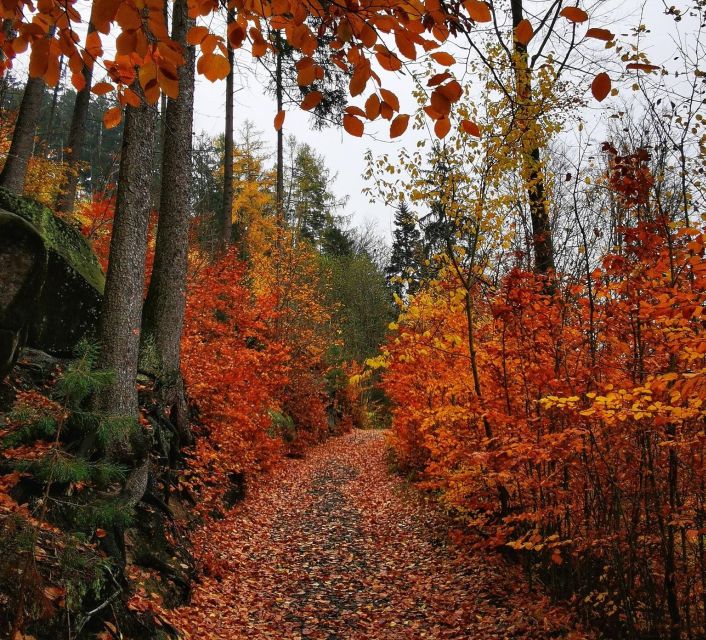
x=334 y=547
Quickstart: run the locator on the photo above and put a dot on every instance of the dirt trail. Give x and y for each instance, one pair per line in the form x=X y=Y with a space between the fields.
x=333 y=547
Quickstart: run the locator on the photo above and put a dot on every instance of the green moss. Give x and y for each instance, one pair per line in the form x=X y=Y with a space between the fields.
x=58 y=236
x=82 y=574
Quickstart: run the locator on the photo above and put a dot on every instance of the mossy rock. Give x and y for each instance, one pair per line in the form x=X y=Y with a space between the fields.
x=23 y=266
x=68 y=307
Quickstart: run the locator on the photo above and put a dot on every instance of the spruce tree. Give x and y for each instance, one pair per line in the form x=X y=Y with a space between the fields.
x=402 y=272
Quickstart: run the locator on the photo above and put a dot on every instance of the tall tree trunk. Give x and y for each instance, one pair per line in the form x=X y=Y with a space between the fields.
x=163 y=315
x=15 y=169
x=66 y=198
x=52 y=110
x=157 y=179
x=226 y=229
x=280 y=133
x=121 y=313
x=531 y=156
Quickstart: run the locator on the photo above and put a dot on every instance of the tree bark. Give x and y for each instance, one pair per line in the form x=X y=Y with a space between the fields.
x=163 y=315
x=52 y=110
x=121 y=313
x=15 y=169
x=280 y=134
x=66 y=198
x=157 y=181
x=226 y=229
x=531 y=156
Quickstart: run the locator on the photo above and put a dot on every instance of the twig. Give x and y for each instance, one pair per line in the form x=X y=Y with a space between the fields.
x=100 y=607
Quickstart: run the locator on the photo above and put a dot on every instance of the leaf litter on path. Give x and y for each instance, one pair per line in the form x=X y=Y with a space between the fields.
x=334 y=547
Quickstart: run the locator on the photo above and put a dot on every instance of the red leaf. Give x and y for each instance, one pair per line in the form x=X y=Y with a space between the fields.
x=442 y=127
x=524 y=32
x=353 y=125
x=600 y=87
x=399 y=125
x=471 y=128
x=574 y=14
x=600 y=34
x=311 y=100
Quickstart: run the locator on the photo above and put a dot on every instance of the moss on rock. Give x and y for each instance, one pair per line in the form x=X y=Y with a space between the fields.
x=67 y=308
x=59 y=237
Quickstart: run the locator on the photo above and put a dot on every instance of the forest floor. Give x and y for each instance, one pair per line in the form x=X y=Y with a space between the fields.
x=333 y=546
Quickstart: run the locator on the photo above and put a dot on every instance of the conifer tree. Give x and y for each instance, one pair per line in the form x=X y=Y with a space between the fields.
x=402 y=272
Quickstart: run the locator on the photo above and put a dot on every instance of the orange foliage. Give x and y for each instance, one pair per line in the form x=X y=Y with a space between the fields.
x=45 y=175
x=292 y=275
x=253 y=358
x=354 y=35
x=233 y=371
x=96 y=219
x=583 y=450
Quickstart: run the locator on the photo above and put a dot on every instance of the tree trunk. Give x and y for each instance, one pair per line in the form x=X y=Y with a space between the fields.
x=121 y=313
x=226 y=229
x=15 y=169
x=280 y=133
x=531 y=157
x=163 y=315
x=66 y=199
x=52 y=110
x=157 y=181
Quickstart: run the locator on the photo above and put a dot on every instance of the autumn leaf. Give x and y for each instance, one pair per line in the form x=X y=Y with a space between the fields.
x=53 y=593
x=641 y=66
x=311 y=99
x=359 y=80
x=451 y=90
x=390 y=98
x=387 y=59
x=101 y=88
x=130 y=97
x=353 y=125
x=355 y=111
x=215 y=67
x=405 y=46
x=112 y=117
x=574 y=14
x=471 y=128
x=372 y=107
x=399 y=125
x=78 y=81
x=442 y=127
x=524 y=32
x=279 y=120
x=477 y=10
x=440 y=103
x=600 y=34
x=443 y=58
x=600 y=87
x=39 y=58
x=306 y=72
x=196 y=35
x=438 y=78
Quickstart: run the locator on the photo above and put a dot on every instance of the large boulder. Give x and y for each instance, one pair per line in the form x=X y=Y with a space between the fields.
x=65 y=309
x=23 y=267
